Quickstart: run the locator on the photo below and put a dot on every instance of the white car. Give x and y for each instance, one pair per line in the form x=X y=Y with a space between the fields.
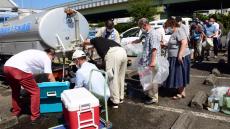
x=129 y=36
x=136 y=33
x=158 y=23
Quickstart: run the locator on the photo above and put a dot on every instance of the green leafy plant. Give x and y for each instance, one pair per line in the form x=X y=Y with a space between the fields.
x=121 y=27
x=142 y=8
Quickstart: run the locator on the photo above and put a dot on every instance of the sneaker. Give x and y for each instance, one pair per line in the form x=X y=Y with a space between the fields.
x=39 y=120
x=129 y=63
x=121 y=100
x=151 y=101
x=111 y=104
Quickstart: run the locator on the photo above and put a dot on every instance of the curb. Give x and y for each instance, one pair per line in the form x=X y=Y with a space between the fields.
x=184 y=121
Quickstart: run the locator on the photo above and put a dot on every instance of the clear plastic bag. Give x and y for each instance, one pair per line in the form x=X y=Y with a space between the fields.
x=158 y=75
x=136 y=62
x=215 y=100
x=98 y=88
x=162 y=70
x=133 y=49
x=218 y=93
x=146 y=76
x=208 y=43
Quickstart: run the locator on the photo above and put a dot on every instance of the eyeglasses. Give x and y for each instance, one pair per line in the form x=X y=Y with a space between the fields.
x=75 y=59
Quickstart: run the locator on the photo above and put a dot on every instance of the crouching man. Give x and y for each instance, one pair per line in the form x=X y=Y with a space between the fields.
x=19 y=71
x=83 y=74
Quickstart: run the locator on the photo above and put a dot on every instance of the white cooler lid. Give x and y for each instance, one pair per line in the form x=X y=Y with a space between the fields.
x=73 y=98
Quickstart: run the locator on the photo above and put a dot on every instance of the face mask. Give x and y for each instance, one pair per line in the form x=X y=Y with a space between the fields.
x=143 y=30
x=77 y=66
x=210 y=23
x=110 y=30
x=169 y=30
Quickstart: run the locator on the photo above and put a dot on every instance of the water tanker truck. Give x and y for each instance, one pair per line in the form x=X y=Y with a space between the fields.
x=61 y=28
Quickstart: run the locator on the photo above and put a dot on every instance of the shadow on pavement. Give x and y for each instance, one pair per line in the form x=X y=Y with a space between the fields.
x=221 y=66
x=135 y=91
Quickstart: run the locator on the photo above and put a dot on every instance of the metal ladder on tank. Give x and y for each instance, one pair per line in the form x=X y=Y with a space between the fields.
x=83 y=109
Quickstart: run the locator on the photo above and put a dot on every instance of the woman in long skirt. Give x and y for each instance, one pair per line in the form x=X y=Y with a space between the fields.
x=178 y=57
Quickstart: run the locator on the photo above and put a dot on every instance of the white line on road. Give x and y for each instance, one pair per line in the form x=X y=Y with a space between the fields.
x=199 y=114
x=198 y=76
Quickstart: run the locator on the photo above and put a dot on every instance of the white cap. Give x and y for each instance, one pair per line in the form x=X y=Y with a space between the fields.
x=78 y=54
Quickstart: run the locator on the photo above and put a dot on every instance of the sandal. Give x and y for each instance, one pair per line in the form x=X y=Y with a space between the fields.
x=178 y=96
x=183 y=96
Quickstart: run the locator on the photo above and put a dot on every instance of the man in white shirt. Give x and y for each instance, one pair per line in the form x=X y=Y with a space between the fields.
x=83 y=74
x=109 y=32
x=19 y=71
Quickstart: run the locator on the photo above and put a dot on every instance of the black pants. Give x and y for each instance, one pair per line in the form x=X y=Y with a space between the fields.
x=216 y=45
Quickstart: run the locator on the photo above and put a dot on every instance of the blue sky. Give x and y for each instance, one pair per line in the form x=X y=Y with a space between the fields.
x=39 y=4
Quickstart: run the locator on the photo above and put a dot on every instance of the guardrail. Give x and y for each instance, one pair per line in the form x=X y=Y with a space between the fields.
x=85 y=4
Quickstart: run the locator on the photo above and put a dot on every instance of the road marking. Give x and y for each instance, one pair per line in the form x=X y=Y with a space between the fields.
x=198 y=76
x=199 y=114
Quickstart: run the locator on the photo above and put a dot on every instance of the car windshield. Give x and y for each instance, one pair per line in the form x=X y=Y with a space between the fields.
x=131 y=33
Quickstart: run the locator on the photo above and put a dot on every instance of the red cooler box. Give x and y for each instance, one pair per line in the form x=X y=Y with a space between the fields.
x=81 y=109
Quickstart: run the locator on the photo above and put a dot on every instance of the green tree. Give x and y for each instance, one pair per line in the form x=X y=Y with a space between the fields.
x=142 y=8
x=202 y=17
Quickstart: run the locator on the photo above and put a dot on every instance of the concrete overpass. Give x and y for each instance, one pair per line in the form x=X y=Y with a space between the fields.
x=187 y=8
x=103 y=9
x=98 y=9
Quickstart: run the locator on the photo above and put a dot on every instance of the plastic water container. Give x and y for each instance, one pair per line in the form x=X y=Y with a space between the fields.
x=226 y=105
x=81 y=109
x=50 y=96
x=213 y=104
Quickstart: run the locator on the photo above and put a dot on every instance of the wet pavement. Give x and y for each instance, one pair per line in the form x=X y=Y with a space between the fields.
x=133 y=114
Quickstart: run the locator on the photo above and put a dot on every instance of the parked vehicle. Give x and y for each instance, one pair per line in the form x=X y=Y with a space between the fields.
x=48 y=29
x=132 y=32
x=135 y=33
x=92 y=33
x=158 y=23
x=52 y=28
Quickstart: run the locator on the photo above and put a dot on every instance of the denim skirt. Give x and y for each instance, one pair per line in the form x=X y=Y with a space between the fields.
x=179 y=74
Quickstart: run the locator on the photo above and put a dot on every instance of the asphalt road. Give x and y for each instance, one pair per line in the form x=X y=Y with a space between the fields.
x=133 y=114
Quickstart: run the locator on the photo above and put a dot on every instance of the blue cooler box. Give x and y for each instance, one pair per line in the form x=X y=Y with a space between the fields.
x=50 y=96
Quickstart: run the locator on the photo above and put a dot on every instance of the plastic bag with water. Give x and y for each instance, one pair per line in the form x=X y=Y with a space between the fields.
x=157 y=75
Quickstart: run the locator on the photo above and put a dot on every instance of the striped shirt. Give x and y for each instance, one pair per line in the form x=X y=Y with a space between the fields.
x=152 y=41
